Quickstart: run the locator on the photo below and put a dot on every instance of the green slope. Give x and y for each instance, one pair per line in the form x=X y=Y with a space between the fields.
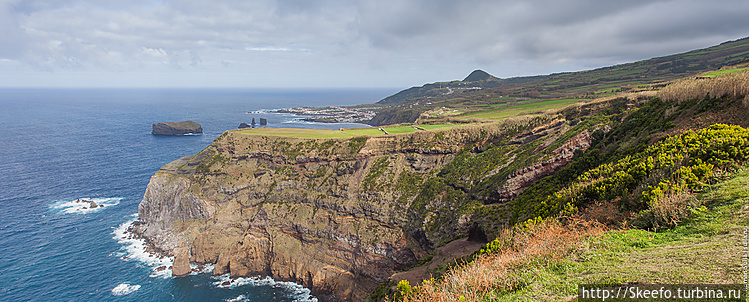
x=406 y=106
x=658 y=176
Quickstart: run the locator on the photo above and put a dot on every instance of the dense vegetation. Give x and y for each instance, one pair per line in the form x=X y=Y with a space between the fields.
x=653 y=170
x=546 y=259
x=644 y=180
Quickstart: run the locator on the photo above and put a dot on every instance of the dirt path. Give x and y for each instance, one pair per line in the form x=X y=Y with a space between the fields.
x=443 y=255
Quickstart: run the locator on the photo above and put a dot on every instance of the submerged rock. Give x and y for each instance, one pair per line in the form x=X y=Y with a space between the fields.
x=177 y=128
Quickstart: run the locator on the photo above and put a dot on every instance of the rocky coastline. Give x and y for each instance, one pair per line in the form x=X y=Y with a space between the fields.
x=332 y=215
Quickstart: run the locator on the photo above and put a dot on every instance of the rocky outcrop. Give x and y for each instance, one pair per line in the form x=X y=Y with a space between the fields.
x=560 y=157
x=177 y=128
x=91 y=203
x=338 y=216
x=169 y=199
x=289 y=208
x=181 y=265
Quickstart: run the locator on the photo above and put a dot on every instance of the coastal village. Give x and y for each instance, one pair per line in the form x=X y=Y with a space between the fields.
x=333 y=114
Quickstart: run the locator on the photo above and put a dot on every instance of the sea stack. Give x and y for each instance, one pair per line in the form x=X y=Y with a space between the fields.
x=181 y=266
x=263 y=121
x=177 y=128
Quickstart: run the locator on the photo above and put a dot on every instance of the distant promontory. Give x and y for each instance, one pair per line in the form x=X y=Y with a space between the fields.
x=177 y=128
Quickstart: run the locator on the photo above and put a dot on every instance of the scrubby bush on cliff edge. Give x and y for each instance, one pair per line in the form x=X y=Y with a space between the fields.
x=545 y=260
x=658 y=181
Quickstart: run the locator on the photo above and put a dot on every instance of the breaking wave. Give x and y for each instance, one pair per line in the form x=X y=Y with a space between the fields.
x=84 y=205
x=301 y=294
x=135 y=249
x=124 y=289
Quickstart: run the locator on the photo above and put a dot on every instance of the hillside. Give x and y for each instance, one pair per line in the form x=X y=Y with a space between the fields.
x=347 y=212
x=481 y=91
x=341 y=211
x=654 y=170
x=546 y=261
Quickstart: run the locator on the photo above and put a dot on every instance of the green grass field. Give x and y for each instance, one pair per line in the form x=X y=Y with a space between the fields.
x=345 y=133
x=719 y=72
x=521 y=109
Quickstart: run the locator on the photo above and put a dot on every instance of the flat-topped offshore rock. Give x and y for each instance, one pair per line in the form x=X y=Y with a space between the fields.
x=177 y=128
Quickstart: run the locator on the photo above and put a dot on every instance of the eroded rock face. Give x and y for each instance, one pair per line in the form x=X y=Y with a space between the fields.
x=561 y=156
x=320 y=214
x=167 y=199
x=181 y=265
x=332 y=215
x=176 y=128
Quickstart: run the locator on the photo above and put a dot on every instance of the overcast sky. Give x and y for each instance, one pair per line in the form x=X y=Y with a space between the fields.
x=346 y=43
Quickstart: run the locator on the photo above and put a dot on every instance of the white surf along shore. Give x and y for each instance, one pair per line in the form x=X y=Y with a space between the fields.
x=135 y=249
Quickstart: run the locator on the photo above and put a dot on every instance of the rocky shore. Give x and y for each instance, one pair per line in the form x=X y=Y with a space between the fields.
x=338 y=216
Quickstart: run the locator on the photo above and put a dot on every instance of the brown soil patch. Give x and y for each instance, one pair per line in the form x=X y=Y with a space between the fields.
x=443 y=255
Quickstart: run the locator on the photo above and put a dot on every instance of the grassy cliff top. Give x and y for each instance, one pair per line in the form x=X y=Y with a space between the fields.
x=341 y=133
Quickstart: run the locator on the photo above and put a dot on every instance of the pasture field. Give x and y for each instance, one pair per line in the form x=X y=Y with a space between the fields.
x=341 y=133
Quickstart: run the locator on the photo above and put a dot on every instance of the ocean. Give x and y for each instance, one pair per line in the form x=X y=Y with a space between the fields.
x=59 y=145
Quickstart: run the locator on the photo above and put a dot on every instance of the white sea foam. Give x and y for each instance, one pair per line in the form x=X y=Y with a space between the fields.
x=201 y=269
x=301 y=293
x=79 y=206
x=134 y=249
x=124 y=289
x=262 y=111
x=299 y=121
x=239 y=298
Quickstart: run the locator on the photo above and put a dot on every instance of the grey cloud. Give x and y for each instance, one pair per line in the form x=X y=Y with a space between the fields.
x=13 y=40
x=554 y=30
x=408 y=37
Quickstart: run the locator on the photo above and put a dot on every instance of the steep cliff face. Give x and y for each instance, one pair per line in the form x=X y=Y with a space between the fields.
x=300 y=210
x=337 y=216
x=560 y=157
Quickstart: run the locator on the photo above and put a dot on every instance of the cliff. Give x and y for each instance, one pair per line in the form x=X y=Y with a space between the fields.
x=177 y=128
x=339 y=216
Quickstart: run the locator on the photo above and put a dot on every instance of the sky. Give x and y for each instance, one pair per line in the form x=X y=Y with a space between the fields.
x=341 y=43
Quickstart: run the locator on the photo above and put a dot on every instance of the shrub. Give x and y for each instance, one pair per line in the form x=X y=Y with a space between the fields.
x=640 y=180
x=668 y=211
x=520 y=251
x=733 y=85
x=404 y=288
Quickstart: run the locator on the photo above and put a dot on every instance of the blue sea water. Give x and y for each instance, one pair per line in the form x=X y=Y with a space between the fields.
x=59 y=145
